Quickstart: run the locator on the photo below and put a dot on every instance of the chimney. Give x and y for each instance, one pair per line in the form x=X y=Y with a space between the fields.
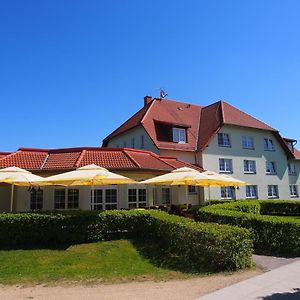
x=147 y=100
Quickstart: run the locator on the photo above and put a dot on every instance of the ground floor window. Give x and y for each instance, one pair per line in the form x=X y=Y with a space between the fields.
x=273 y=191
x=251 y=192
x=227 y=192
x=293 y=191
x=36 y=199
x=192 y=190
x=104 y=199
x=137 y=198
x=66 y=198
x=166 y=195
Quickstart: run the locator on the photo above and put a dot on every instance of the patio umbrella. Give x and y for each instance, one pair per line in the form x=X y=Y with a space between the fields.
x=20 y=177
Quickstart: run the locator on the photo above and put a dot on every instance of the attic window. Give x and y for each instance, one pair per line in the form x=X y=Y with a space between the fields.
x=179 y=135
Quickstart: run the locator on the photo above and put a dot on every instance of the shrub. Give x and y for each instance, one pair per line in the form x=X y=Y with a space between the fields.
x=199 y=245
x=270 y=233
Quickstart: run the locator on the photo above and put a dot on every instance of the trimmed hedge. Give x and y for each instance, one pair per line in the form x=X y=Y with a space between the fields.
x=276 y=234
x=200 y=245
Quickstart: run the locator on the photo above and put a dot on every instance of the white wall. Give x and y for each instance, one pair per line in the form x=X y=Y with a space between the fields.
x=213 y=152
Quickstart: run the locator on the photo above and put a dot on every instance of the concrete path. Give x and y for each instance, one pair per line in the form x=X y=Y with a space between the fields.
x=282 y=283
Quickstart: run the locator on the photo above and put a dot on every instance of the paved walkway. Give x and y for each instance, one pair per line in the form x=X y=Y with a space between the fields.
x=282 y=283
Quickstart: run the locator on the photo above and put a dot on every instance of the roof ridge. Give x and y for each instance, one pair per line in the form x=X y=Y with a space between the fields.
x=45 y=161
x=130 y=157
x=80 y=157
x=147 y=110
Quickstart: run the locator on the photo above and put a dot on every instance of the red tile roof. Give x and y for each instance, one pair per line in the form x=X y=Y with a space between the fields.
x=201 y=123
x=71 y=158
x=296 y=154
x=3 y=154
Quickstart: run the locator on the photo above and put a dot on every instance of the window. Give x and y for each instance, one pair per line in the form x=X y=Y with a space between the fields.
x=59 y=199
x=133 y=142
x=251 y=192
x=291 y=169
x=223 y=140
x=268 y=145
x=273 y=191
x=293 y=191
x=192 y=190
x=110 y=199
x=225 y=165
x=97 y=204
x=36 y=199
x=166 y=195
x=142 y=142
x=73 y=198
x=179 y=135
x=270 y=167
x=249 y=167
x=137 y=198
x=227 y=192
x=247 y=142
x=125 y=144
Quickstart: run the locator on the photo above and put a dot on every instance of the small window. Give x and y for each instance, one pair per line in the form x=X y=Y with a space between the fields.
x=225 y=165
x=270 y=167
x=273 y=191
x=142 y=140
x=36 y=200
x=227 y=192
x=166 y=195
x=59 y=199
x=251 y=192
x=73 y=198
x=249 y=167
x=97 y=202
x=223 y=140
x=293 y=191
x=268 y=145
x=291 y=169
x=192 y=190
x=125 y=144
x=179 y=135
x=137 y=198
x=111 y=199
x=247 y=142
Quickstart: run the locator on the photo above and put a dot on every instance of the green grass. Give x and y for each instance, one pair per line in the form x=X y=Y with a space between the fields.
x=110 y=261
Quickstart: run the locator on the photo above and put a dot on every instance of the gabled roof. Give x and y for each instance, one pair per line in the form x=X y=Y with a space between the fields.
x=202 y=123
x=71 y=158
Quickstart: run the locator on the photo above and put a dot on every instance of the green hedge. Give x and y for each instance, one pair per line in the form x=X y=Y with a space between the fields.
x=275 y=234
x=199 y=245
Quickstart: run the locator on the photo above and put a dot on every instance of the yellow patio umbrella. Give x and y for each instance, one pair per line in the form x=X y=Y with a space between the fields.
x=19 y=177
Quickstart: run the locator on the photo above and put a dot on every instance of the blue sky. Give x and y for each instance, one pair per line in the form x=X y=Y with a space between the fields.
x=72 y=71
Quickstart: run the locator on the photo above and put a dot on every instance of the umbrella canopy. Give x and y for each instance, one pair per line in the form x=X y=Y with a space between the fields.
x=88 y=175
x=181 y=176
x=18 y=176
x=223 y=179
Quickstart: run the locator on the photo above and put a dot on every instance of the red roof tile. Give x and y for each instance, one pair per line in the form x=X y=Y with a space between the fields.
x=296 y=154
x=110 y=158
x=3 y=154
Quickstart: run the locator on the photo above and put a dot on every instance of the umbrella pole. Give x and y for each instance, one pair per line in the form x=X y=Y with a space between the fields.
x=93 y=196
x=12 y=197
x=209 y=194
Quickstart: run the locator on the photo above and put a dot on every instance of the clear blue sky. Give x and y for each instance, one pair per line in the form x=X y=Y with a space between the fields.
x=72 y=71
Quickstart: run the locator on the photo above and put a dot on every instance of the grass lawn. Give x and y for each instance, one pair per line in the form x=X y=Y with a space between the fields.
x=109 y=261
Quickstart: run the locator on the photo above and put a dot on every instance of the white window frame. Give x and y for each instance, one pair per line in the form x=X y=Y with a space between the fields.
x=224 y=140
x=225 y=165
x=192 y=190
x=165 y=191
x=273 y=191
x=97 y=202
x=294 y=191
x=251 y=192
x=249 y=166
x=268 y=145
x=271 y=168
x=227 y=192
x=36 y=199
x=138 y=199
x=292 y=169
x=247 y=142
x=105 y=204
x=179 y=135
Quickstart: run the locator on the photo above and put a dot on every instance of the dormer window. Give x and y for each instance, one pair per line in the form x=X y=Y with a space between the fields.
x=268 y=145
x=179 y=135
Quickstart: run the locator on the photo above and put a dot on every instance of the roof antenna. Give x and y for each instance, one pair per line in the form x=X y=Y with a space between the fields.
x=162 y=93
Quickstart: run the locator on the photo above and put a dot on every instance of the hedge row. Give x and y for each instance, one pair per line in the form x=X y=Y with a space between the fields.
x=275 y=234
x=201 y=245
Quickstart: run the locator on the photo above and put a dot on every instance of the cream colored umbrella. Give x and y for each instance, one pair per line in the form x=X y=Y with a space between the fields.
x=20 y=177
x=181 y=176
